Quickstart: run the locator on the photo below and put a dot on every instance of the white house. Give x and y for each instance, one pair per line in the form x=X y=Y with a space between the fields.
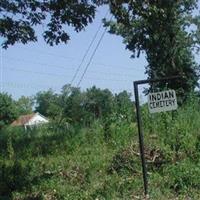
x=30 y=120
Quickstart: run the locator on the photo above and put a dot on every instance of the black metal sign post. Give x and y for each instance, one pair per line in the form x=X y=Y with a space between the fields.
x=139 y=122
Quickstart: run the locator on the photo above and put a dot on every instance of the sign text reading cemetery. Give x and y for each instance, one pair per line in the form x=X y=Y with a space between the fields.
x=162 y=101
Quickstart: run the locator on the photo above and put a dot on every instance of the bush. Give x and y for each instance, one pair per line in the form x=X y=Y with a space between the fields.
x=14 y=176
x=182 y=176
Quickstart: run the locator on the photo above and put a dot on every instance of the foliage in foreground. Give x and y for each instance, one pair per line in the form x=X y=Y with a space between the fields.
x=102 y=162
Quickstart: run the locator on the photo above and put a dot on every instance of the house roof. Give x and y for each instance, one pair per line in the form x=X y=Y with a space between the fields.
x=22 y=120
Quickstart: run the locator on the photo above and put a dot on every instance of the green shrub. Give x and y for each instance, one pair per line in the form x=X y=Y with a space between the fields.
x=14 y=176
x=182 y=176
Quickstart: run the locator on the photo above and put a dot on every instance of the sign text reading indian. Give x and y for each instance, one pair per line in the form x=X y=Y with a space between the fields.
x=162 y=101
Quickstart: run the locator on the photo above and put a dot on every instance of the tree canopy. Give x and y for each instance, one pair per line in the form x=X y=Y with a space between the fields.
x=24 y=105
x=8 y=111
x=75 y=106
x=166 y=31
x=19 y=19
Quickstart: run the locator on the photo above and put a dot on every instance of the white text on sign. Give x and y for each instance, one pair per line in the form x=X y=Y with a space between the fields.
x=162 y=101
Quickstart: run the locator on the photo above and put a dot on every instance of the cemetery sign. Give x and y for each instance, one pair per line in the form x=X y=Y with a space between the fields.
x=162 y=101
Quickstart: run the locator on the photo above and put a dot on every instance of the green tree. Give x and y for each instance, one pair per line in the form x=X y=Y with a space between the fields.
x=99 y=102
x=24 y=105
x=124 y=105
x=46 y=103
x=166 y=31
x=71 y=101
x=8 y=110
x=19 y=19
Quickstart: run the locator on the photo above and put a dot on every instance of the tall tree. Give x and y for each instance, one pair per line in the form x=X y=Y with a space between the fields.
x=24 y=105
x=99 y=102
x=8 y=110
x=19 y=19
x=166 y=31
x=71 y=101
x=124 y=105
x=45 y=103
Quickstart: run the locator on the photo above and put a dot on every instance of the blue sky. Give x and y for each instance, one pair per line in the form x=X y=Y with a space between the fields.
x=27 y=69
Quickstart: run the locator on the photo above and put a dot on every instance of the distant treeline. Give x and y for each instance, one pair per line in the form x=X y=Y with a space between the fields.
x=71 y=105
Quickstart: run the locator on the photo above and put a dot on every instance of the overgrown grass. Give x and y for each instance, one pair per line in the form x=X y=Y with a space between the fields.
x=98 y=163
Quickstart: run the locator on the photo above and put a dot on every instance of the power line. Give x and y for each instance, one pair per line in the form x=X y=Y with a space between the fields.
x=35 y=86
x=104 y=79
x=110 y=74
x=53 y=74
x=9 y=59
x=35 y=72
x=92 y=56
x=94 y=63
x=64 y=76
x=25 y=85
x=87 y=51
x=50 y=54
x=114 y=66
x=38 y=63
